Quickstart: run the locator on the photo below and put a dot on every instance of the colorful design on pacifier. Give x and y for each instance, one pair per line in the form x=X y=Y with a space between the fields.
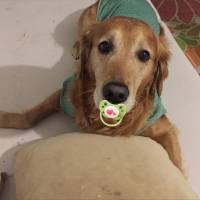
x=113 y=112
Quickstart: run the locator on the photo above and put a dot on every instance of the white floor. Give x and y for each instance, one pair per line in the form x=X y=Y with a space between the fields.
x=36 y=39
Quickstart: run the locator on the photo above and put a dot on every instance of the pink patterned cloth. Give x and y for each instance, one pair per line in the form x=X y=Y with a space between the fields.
x=183 y=19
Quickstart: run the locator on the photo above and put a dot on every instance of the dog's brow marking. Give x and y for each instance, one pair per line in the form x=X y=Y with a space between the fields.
x=136 y=43
x=115 y=35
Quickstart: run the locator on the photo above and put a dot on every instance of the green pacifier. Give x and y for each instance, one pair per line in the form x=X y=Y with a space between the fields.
x=110 y=111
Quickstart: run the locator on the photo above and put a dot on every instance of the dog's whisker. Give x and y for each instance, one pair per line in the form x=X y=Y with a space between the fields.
x=85 y=92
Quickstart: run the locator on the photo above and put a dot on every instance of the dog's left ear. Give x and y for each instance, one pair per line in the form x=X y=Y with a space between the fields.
x=83 y=81
x=164 y=54
x=85 y=48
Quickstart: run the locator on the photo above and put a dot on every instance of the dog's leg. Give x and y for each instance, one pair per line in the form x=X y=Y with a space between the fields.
x=170 y=142
x=166 y=134
x=30 y=117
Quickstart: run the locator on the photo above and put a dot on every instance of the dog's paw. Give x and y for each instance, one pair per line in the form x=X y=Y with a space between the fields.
x=76 y=51
x=3 y=116
x=3 y=177
x=7 y=119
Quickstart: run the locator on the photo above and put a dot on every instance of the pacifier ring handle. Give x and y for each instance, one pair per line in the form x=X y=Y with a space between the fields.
x=108 y=124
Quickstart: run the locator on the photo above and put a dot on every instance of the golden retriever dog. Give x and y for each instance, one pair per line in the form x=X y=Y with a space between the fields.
x=123 y=60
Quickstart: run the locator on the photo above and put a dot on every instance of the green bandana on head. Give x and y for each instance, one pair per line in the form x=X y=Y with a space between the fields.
x=138 y=9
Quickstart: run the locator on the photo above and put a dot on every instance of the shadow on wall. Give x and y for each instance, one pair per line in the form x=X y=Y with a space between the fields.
x=23 y=87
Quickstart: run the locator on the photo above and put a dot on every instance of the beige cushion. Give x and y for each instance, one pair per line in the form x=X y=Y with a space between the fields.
x=89 y=166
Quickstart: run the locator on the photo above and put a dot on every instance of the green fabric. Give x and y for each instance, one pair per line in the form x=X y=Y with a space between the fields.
x=68 y=108
x=65 y=102
x=138 y=9
x=159 y=110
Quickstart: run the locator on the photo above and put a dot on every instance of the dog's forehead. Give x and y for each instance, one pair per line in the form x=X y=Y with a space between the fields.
x=125 y=28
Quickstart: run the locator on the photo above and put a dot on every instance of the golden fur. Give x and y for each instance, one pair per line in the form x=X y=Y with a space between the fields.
x=95 y=70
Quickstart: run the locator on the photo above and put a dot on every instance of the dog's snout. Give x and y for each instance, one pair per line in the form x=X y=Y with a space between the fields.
x=115 y=92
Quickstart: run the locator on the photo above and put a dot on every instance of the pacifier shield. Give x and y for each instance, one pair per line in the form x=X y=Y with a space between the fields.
x=112 y=113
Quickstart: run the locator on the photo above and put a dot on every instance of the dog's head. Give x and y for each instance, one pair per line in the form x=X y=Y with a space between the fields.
x=122 y=61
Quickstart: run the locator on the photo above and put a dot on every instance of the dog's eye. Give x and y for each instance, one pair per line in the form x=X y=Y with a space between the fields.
x=143 y=55
x=105 y=47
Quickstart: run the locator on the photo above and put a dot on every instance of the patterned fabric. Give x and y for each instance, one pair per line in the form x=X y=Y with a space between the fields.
x=183 y=19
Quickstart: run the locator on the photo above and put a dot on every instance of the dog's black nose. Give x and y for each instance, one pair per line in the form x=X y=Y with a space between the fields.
x=115 y=92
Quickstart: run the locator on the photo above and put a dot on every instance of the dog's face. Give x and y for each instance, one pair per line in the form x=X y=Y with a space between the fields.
x=122 y=55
